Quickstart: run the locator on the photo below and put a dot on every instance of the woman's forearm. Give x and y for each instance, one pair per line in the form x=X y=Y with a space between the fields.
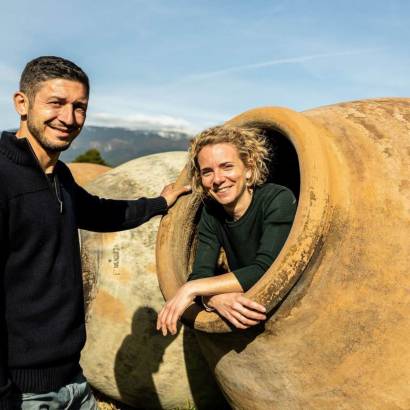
x=214 y=285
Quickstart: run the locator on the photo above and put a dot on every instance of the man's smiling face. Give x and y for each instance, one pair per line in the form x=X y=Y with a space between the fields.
x=57 y=113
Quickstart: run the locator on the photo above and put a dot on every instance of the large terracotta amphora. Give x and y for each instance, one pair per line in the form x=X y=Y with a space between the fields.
x=338 y=295
x=125 y=357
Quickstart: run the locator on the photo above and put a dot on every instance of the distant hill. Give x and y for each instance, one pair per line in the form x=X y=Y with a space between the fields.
x=119 y=145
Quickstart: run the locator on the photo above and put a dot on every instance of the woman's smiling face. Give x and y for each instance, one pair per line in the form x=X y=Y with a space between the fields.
x=224 y=176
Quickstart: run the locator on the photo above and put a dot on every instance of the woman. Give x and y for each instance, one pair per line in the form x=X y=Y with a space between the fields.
x=249 y=219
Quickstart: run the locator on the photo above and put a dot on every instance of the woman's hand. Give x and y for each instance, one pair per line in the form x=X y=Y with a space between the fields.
x=239 y=310
x=174 y=308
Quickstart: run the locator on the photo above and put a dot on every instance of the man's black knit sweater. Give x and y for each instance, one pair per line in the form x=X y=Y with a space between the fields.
x=41 y=295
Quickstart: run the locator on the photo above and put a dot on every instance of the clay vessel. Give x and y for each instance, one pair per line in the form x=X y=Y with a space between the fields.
x=125 y=357
x=84 y=173
x=338 y=295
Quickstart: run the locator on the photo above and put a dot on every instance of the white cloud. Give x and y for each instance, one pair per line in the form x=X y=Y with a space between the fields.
x=139 y=121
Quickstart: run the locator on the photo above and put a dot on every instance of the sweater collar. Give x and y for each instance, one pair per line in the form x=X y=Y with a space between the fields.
x=16 y=149
x=19 y=150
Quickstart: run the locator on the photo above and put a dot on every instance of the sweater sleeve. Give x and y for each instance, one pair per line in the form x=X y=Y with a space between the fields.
x=278 y=219
x=208 y=248
x=5 y=383
x=109 y=215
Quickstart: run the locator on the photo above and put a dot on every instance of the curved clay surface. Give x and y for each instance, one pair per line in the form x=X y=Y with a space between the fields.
x=84 y=173
x=125 y=357
x=338 y=294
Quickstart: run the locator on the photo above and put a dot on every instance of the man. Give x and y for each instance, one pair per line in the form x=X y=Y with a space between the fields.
x=41 y=208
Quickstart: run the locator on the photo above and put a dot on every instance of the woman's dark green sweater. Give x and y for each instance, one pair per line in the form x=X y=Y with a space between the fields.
x=252 y=242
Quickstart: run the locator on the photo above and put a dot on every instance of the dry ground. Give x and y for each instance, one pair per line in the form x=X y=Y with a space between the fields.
x=106 y=403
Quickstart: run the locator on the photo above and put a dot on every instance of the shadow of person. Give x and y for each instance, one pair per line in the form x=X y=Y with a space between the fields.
x=205 y=391
x=139 y=357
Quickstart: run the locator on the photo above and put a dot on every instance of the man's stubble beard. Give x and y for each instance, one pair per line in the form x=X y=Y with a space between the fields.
x=40 y=138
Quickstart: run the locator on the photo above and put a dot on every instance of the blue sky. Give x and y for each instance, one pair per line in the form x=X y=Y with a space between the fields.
x=192 y=64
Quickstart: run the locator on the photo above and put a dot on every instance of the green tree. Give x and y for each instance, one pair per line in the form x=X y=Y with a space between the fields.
x=92 y=156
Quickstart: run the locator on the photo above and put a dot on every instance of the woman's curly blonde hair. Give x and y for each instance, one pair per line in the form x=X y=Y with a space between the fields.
x=250 y=143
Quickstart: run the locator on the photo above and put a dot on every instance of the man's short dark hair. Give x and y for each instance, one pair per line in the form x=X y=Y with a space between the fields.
x=49 y=68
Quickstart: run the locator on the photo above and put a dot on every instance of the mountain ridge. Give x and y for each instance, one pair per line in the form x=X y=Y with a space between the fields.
x=118 y=145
